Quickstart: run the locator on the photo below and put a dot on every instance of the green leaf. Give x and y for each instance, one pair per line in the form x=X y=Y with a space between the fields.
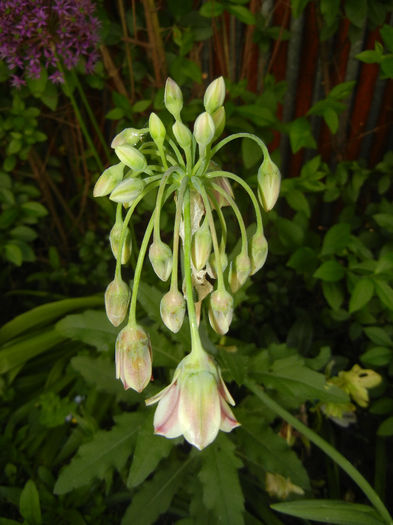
x=29 y=504
x=330 y=511
x=183 y=69
x=356 y=11
x=384 y=292
x=290 y=234
x=342 y=90
x=34 y=209
x=330 y=271
x=50 y=96
x=298 y=202
x=106 y=450
x=385 y=221
x=251 y=153
x=361 y=294
x=115 y=114
x=300 y=135
x=382 y=406
x=13 y=253
x=377 y=356
x=90 y=327
x=241 y=13
x=149 y=451
x=298 y=7
x=387 y=36
x=211 y=9
x=155 y=496
x=386 y=427
x=45 y=314
x=222 y=492
x=333 y=294
x=331 y=118
x=336 y=239
x=370 y=56
x=303 y=260
x=141 y=106
x=37 y=85
x=378 y=335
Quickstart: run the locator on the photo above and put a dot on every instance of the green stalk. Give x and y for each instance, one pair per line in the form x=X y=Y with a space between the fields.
x=223 y=224
x=330 y=451
x=235 y=136
x=176 y=152
x=175 y=249
x=157 y=210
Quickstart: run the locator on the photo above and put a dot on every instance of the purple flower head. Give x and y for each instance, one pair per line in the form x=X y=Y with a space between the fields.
x=36 y=34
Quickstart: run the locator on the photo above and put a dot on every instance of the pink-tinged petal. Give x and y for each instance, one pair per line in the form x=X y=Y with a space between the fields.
x=199 y=409
x=133 y=358
x=228 y=421
x=163 y=392
x=224 y=392
x=166 y=421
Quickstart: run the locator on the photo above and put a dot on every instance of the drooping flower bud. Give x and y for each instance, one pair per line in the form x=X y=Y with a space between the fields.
x=109 y=179
x=269 y=180
x=114 y=239
x=258 y=251
x=128 y=190
x=239 y=270
x=129 y=136
x=131 y=157
x=157 y=129
x=220 y=311
x=219 y=121
x=212 y=265
x=160 y=256
x=117 y=297
x=204 y=129
x=133 y=358
x=201 y=246
x=182 y=134
x=214 y=95
x=173 y=98
x=172 y=309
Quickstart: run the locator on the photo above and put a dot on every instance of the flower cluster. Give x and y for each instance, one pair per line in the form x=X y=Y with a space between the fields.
x=36 y=34
x=178 y=163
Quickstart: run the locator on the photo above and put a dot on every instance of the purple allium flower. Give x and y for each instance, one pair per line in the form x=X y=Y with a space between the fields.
x=36 y=34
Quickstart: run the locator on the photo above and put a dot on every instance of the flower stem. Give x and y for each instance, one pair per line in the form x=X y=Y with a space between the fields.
x=175 y=249
x=330 y=451
x=235 y=136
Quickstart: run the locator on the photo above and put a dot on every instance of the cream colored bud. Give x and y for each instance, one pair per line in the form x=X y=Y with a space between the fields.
x=131 y=157
x=182 y=134
x=129 y=136
x=109 y=179
x=157 y=129
x=214 y=95
x=212 y=265
x=269 y=180
x=117 y=298
x=133 y=357
x=173 y=98
x=204 y=129
x=114 y=239
x=201 y=246
x=239 y=270
x=173 y=309
x=127 y=191
x=160 y=256
x=258 y=251
x=220 y=311
x=219 y=122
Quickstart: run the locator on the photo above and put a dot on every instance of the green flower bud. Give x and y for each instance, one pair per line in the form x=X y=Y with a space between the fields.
x=157 y=129
x=160 y=256
x=204 y=129
x=214 y=95
x=212 y=265
x=201 y=246
x=133 y=357
x=129 y=136
x=258 y=252
x=109 y=179
x=239 y=271
x=220 y=311
x=173 y=98
x=182 y=135
x=117 y=298
x=219 y=121
x=128 y=190
x=114 y=239
x=269 y=180
x=131 y=157
x=172 y=309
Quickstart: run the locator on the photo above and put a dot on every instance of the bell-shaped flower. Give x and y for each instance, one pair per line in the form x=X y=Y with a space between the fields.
x=133 y=357
x=195 y=404
x=117 y=298
x=160 y=256
x=220 y=311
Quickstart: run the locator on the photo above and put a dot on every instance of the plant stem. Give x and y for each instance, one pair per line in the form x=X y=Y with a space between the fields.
x=235 y=136
x=330 y=451
x=175 y=249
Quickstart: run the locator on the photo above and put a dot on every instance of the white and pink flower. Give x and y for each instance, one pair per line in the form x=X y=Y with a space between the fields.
x=195 y=404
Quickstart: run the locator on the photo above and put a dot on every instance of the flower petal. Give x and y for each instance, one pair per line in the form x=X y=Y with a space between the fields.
x=224 y=392
x=166 y=420
x=228 y=421
x=199 y=409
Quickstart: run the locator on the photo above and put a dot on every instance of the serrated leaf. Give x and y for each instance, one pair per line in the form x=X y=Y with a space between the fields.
x=107 y=449
x=29 y=504
x=361 y=294
x=336 y=239
x=330 y=271
x=90 y=327
x=149 y=451
x=385 y=293
x=222 y=492
x=235 y=364
x=330 y=511
x=155 y=496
